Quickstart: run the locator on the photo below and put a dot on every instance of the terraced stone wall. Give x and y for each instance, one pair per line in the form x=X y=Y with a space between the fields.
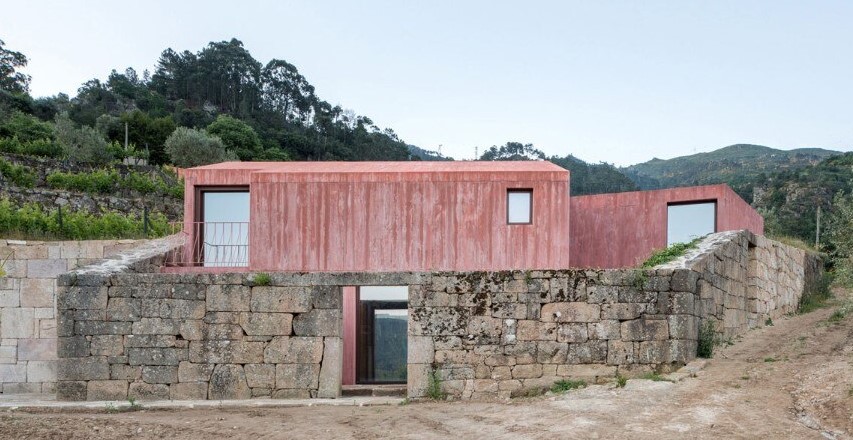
x=27 y=306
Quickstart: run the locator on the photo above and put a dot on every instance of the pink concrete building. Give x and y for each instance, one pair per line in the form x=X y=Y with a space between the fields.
x=426 y=217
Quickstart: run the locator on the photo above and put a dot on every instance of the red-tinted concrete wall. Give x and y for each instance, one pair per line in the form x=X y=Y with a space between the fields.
x=621 y=230
x=430 y=217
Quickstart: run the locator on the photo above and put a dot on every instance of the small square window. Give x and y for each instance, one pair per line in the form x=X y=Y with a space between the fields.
x=519 y=206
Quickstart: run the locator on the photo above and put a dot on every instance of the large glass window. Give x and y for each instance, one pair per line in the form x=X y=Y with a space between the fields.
x=225 y=228
x=382 y=336
x=687 y=221
x=519 y=206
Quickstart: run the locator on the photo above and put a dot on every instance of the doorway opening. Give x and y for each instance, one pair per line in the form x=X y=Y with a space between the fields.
x=375 y=335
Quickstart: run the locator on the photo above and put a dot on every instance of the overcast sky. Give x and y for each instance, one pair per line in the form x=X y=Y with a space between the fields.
x=620 y=82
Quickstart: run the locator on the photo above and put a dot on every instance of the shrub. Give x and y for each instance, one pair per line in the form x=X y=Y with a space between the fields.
x=621 y=380
x=98 y=181
x=707 y=339
x=108 y=181
x=38 y=147
x=17 y=174
x=26 y=128
x=82 y=144
x=189 y=147
x=31 y=221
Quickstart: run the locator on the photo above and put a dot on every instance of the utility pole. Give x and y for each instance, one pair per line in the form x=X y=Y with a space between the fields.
x=476 y=153
x=125 y=136
x=817 y=232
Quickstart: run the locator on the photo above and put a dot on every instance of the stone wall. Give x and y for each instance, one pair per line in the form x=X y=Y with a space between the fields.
x=27 y=306
x=125 y=200
x=126 y=333
x=499 y=334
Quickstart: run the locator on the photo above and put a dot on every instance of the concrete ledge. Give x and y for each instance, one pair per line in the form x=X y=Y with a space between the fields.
x=46 y=401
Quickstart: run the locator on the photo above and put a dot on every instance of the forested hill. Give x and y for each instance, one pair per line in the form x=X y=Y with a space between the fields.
x=738 y=165
x=192 y=89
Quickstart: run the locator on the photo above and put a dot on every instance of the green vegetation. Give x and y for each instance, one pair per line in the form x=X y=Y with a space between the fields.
x=770 y=359
x=841 y=312
x=31 y=221
x=707 y=339
x=3 y=262
x=768 y=322
x=17 y=174
x=670 y=253
x=261 y=279
x=188 y=147
x=108 y=181
x=434 y=390
x=816 y=295
x=737 y=165
x=621 y=380
x=586 y=178
x=656 y=377
x=561 y=386
x=133 y=405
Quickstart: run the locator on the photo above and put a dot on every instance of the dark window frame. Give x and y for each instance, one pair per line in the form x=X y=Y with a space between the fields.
x=198 y=212
x=528 y=191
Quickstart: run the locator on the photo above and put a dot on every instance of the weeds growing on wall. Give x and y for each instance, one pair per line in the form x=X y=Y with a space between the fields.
x=261 y=279
x=670 y=253
x=707 y=339
x=434 y=390
x=30 y=221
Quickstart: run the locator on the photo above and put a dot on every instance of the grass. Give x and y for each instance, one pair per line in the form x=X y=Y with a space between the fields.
x=707 y=339
x=770 y=359
x=817 y=295
x=744 y=377
x=768 y=322
x=261 y=279
x=621 y=380
x=3 y=264
x=655 y=377
x=794 y=242
x=841 y=313
x=133 y=406
x=561 y=386
x=670 y=253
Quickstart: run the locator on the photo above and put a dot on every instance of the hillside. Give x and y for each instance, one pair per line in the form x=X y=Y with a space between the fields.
x=738 y=165
x=789 y=199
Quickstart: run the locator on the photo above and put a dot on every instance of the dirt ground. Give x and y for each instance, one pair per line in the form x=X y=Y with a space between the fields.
x=790 y=380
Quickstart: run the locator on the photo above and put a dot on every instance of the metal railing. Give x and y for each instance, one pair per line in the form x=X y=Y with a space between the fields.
x=211 y=244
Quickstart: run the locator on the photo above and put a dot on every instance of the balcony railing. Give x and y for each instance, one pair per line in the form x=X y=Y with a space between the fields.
x=211 y=244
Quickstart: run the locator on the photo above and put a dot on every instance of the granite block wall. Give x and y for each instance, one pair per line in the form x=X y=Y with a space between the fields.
x=125 y=330
x=169 y=336
x=501 y=334
x=27 y=306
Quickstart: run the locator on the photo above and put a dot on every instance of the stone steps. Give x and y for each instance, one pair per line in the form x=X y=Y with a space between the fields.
x=378 y=390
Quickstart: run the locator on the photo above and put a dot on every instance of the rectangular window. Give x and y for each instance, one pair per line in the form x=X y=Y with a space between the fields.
x=687 y=221
x=224 y=228
x=519 y=206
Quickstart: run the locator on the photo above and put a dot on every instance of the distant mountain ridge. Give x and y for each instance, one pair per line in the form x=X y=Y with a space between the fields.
x=736 y=165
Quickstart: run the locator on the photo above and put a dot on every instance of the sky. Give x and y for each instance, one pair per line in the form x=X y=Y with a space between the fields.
x=611 y=81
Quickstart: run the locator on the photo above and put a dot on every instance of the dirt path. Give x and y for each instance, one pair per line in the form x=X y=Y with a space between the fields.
x=790 y=380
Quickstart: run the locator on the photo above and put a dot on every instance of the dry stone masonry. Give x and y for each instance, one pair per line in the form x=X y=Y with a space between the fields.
x=126 y=331
x=27 y=306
